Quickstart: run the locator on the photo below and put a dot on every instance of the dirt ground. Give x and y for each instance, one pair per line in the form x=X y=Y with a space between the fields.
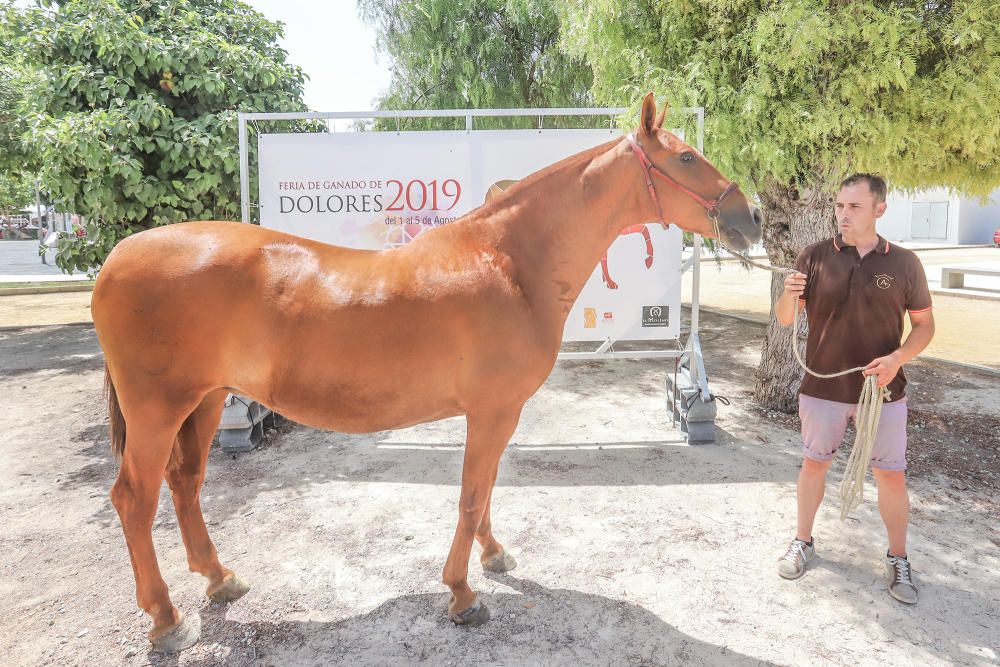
x=633 y=547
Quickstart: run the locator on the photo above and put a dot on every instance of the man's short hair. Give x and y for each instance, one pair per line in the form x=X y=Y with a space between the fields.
x=876 y=184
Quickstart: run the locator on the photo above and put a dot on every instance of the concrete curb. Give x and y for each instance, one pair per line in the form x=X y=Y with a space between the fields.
x=964 y=293
x=14 y=291
x=22 y=327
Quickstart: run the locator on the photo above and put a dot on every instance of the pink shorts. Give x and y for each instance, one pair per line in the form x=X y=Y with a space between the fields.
x=824 y=423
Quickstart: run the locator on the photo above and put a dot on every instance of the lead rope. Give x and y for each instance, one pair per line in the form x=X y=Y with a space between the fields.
x=852 y=486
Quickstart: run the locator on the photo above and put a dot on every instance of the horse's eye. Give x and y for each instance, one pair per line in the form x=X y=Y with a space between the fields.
x=687 y=156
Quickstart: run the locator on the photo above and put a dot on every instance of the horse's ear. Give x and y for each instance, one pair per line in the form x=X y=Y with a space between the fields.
x=663 y=114
x=646 y=122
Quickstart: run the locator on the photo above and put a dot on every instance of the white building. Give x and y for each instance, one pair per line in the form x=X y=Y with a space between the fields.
x=936 y=216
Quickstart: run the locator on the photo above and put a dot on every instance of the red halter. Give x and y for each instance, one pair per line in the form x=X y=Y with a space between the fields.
x=711 y=205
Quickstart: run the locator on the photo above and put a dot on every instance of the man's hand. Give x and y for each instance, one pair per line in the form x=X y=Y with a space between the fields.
x=784 y=308
x=885 y=368
x=795 y=284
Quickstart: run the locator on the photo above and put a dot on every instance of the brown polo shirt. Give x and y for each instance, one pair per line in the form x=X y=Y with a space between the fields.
x=855 y=307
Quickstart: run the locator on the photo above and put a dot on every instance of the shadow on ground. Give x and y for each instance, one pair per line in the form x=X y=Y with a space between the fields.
x=534 y=625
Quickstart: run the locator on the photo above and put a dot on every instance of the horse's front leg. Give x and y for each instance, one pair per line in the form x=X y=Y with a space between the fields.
x=487 y=435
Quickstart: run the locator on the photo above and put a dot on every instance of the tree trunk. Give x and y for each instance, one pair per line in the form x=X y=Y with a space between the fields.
x=792 y=220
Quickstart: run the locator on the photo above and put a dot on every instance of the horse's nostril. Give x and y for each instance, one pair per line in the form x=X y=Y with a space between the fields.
x=758 y=217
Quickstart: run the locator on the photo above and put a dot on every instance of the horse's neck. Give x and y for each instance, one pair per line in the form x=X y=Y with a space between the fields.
x=557 y=226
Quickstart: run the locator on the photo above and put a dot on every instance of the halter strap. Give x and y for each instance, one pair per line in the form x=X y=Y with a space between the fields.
x=711 y=205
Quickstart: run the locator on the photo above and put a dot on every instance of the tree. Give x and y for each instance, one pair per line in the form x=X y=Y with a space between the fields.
x=18 y=160
x=16 y=191
x=799 y=94
x=138 y=125
x=460 y=54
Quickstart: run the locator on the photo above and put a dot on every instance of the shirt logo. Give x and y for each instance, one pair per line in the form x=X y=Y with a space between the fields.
x=883 y=281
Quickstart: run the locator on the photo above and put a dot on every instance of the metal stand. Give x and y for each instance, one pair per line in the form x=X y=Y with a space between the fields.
x=689 y=400
x=241 y=428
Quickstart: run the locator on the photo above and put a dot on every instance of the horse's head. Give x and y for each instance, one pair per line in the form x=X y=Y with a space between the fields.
x=688 y=189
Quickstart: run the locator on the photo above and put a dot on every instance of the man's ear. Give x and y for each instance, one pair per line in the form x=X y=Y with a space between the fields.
x=646 y=119
x=880 y=209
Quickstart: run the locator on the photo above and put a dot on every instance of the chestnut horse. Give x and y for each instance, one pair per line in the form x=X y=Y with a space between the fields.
x=469 y=316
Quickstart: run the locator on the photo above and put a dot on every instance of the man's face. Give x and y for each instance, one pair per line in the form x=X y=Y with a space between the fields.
x=857 y=210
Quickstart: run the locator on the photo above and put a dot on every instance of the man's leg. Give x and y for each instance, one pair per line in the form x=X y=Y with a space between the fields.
x=888 y=465
x=823 y=426
x=894 y=506
x=809 y=494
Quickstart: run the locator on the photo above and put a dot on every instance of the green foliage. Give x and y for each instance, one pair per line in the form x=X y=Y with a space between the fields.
x=478 y=54
x=16 y=191
x=18 y=82
x=802 y=92
x=138 y=120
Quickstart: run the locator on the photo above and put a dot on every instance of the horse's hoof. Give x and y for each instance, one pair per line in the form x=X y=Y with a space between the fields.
x=474 y=616
x=183 y=635
x=500 y=562
x=231 y=588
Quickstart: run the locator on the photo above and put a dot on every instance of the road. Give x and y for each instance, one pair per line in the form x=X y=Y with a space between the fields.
x=20 y=258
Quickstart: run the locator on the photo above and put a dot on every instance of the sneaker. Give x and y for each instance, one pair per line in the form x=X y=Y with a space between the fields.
x=793 y=563
x=901 y=587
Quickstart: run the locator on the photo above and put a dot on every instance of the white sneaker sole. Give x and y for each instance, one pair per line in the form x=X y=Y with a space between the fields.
x=800 y=572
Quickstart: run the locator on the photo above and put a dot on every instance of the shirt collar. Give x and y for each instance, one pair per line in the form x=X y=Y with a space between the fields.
x=882 y=247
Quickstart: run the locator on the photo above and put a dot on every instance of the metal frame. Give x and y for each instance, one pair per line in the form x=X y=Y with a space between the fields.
x=690 y=354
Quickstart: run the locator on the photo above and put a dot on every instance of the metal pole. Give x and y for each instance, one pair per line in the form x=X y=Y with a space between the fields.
x=696 y=248
x=38 y=210
x=244 y=172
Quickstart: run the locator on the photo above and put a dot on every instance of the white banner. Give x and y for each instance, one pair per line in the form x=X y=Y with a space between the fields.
x=379 y=190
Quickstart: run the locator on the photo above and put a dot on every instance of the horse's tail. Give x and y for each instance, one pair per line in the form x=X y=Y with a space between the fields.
x=116 y=421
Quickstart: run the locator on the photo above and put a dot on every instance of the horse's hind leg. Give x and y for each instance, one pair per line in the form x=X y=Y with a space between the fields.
x=487 y=437
x=185 y=480
x=493 y=556
x=135 y=494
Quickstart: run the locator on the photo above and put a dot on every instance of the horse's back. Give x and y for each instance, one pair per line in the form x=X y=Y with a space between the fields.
x=186 y=298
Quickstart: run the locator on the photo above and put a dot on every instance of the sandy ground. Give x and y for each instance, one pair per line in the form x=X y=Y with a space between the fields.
x=44 y=309
x=634 y=548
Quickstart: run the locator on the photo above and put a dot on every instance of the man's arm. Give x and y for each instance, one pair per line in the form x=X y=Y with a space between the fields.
x=784 y=308
x=922 y=331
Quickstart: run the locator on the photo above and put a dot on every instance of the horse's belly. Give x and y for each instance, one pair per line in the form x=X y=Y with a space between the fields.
x=362 y=400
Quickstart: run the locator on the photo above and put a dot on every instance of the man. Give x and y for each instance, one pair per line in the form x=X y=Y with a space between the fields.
x=856 y=288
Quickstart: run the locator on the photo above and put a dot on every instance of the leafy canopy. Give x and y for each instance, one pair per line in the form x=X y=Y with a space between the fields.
x=801 y=92
x=18 y=160
x=482 y=54
x=138 y=122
